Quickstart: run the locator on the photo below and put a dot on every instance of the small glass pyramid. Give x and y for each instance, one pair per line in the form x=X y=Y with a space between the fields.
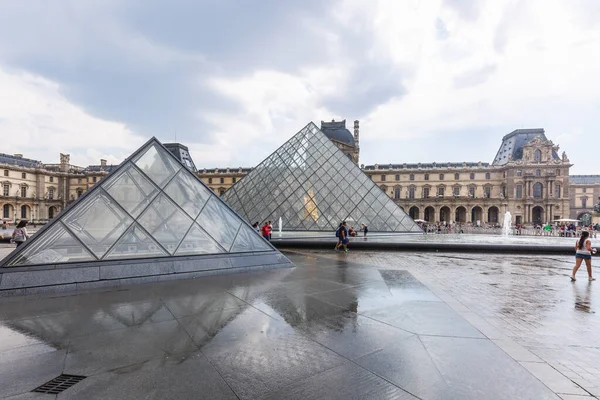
x=151 y=206
x=313 y=186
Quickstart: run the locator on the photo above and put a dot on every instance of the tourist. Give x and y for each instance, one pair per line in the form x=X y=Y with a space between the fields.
x=352 y=232
x=4 y=225
x=256 y=227
x=337 y=235
x=20 y=234
x=584 y=251
x=270 y=229
x=344 y=237
x=266 y=231
x=365 y=230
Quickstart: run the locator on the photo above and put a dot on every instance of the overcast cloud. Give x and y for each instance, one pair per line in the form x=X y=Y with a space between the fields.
x=436 y=80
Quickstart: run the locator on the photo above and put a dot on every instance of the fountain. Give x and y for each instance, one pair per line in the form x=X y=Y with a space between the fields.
x=507 y=224
x=280 y=227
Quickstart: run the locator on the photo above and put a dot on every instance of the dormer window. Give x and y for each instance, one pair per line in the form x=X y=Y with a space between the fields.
x=537 y=155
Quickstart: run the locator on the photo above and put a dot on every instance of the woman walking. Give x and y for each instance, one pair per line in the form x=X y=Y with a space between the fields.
x=584 y=251
x=20 y=234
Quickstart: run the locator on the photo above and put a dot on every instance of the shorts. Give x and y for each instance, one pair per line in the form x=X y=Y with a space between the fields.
x=345 y=241
x=584 y=256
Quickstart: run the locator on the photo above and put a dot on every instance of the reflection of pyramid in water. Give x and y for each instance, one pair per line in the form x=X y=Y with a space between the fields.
x=151 y=206
x=312 y=185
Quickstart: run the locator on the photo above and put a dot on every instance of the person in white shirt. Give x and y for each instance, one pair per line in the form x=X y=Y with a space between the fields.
x=584 y=251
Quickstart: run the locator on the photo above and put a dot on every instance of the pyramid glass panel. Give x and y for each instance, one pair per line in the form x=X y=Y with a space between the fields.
x=197 y=241
x=98 y=222
x=56 y=246
x=313 y=185
x=151 y=206
x=131 y=190
x=135 y=243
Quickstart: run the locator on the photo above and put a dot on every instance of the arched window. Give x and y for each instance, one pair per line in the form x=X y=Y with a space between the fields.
x=397 y=193
x=538 y=172
x=537 y=155
x=519 y=194
x=472 y=176
x=411 y=192
x=456 y=176
x=487 y=176
x=426 y=177
x=538 y=189
x=79 y=192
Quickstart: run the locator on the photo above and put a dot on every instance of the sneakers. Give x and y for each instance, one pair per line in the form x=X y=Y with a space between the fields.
x=346 y=251
x=336 y=248
x=591 y=278
x=573 y=279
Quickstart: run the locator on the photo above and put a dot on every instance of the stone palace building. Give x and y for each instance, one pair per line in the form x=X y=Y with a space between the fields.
x=528 y=177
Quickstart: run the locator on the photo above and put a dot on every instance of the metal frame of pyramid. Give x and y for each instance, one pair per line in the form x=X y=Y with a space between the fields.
x=150 y=208
x=313 y=186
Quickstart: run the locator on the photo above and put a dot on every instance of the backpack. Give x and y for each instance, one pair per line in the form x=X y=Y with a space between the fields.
x=18 y=235
x=337 y=233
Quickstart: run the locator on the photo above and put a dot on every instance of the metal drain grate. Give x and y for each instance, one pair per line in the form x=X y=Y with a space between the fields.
x=59 y=384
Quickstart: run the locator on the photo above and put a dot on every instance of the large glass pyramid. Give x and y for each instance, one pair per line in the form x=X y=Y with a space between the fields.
x=312 y=186
x=151 y=206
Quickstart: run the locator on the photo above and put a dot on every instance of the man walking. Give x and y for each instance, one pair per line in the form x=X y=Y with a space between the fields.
x=344 y=236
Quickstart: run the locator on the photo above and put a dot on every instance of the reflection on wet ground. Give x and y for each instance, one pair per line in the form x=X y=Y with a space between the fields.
x=362 y=325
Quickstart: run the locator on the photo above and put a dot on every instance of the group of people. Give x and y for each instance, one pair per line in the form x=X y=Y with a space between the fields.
x=266 y=229
x=343 y=233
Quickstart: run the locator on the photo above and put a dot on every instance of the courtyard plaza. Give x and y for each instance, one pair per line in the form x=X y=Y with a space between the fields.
x=362 y=325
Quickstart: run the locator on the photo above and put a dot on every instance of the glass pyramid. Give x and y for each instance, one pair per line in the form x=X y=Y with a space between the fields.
x=313 y=186
x=151 y=206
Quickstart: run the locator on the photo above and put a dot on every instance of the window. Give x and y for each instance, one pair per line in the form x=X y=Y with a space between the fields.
x=51 y=194
x=426 y=193
x=426 y=177
x=5 y=189
x=5 y=172
x=456 y=191
x=221 y=191
x=487 y=176
x=411 y=193
x=538 y=172
x=584 y=202
x=456 y=177
x=519 y=172
x=538 y=190
x=441 y=191
x=234 y=179
x=51 y=179
x=94 y=179
x=222 y=180
x=472 y=192
x=79 y=193
x=537 y=155
x=519 y=194
x=79 y=180
x=6 y=211
x=472 y=176
x=584 y=190
x=412 y=177
x=397 y=177
x=23 y=212
x=23 y=191
x=209 y=180
x=487 y=192
x=557 y=190
x=558 y=172
x=23 y=175
x=396 y=193
x=383 y=178
x=441 y=177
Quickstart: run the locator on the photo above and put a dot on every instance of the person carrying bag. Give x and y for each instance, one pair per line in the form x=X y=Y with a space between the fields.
x=20 y=234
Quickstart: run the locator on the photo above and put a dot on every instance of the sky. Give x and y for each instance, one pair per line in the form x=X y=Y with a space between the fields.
x=435 y=80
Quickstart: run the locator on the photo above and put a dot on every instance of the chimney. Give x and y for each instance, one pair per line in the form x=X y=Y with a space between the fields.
x=102 y=162
x=356 y=133
x=65 y=160
x=18 y=155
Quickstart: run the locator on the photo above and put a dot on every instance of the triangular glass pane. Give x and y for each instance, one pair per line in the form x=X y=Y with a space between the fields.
x=98 y=222
x=219 y=222
x=198 y=242
x=131 y=190
x=248 y=240
x=135 y=243
x=188 y=193
x=157 y=165
x=56 y=245
x=165 y=222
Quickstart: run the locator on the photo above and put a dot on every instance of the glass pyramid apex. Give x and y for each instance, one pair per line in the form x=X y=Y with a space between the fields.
x=313 y=186
x=151 y=206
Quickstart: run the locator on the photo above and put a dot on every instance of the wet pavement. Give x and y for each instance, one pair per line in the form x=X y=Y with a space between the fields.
x=380 y=325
